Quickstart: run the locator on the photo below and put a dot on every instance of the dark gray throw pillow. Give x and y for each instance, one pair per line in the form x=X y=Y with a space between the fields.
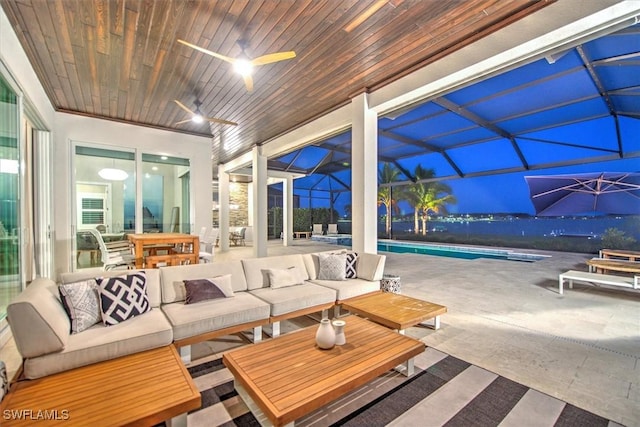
x=208 y=289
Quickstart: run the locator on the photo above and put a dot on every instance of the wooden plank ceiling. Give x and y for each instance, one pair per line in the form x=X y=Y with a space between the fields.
x=120 y=59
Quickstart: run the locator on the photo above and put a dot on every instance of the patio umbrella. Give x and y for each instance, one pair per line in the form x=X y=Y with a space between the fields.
x=601 y=192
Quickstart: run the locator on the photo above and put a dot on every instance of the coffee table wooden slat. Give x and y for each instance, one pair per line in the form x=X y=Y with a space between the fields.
x=394 y=310
x=141 y=389
x=288 y=377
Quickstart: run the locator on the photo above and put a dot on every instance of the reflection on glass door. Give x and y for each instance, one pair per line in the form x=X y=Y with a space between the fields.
x=165 y=194
x=105 y=197
x=10 y=224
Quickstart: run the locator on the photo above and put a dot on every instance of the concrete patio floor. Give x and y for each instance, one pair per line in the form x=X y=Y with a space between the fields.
x=582 y=347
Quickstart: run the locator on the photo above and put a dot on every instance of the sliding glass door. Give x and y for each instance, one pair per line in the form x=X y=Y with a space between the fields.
x=165 y=196
x=10 y=220
x=110 y=198
x=105 y=199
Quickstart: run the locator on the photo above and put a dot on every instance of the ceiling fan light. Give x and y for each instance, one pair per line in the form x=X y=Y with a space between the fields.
x=243 y=67
x=112 y=174
x=197 y=118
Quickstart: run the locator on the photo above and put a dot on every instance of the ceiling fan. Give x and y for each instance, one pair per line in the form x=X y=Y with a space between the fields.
x=198 y=117
x=243 y=64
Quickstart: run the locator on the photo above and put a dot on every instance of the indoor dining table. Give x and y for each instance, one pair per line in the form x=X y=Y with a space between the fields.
x=182 y=248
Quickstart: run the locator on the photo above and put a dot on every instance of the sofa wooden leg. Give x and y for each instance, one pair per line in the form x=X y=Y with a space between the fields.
x=275 y=329
x=257 y=334
x=185 y=354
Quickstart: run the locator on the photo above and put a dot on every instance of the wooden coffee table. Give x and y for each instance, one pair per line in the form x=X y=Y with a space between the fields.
x=141 y=389
x=394 y=310
x=285 y=378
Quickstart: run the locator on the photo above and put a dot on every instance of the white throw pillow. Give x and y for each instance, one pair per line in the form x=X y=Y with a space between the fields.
x=283 y=277
x=332 y=266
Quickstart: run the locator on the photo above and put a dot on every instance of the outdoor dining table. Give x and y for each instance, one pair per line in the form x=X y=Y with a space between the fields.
x=187 y=247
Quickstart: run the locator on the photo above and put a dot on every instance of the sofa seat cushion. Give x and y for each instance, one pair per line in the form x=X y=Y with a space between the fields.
x=350 y=288
x=293 y=298
x=189 y=320
x=99 y=343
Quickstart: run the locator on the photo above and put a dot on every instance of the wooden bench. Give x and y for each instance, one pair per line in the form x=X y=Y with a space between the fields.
x=602 y=279
x=605 y=264
x=620 y=253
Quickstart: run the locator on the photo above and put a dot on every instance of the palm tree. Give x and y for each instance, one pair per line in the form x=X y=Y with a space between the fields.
x=434 y=199
x=415 y=192
x=386 y=175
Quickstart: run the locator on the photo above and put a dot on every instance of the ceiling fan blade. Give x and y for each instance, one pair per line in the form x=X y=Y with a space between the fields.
x=221 y=121
x=248 y=82
x=184 y=107
x=208 y=52
x=273 y=57
x=182 y=121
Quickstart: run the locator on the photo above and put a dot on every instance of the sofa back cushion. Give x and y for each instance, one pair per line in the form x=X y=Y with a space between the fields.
x=153 y=280
x=255 y=269
x=173 y=278
x=370 y=266
x=38 y=321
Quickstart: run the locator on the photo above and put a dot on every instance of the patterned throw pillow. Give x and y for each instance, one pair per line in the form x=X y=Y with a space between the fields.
x=206 y=289
x=352 y=259
x=82 y=304
x=4 y=381
x=332 y=266
x=123 y=297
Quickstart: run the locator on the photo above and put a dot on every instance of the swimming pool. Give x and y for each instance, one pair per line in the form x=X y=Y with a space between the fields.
x=451 y=251
x=456 y=251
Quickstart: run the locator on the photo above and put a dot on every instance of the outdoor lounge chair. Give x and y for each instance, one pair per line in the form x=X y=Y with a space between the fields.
x=317 y=230
x=332 y=229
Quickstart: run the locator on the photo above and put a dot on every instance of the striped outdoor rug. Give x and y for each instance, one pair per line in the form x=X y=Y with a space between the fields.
x=445 y=391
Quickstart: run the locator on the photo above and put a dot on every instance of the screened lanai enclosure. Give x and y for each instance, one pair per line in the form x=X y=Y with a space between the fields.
x=453 y=167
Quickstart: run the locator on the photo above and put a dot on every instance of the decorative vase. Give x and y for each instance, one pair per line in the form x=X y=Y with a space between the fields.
x=338 y=327
x=325 y=336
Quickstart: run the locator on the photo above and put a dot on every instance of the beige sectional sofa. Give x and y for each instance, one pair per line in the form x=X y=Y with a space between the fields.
x=42 y=329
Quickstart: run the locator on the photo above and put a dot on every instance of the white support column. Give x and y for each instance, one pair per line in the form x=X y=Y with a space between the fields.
x=364 y=176
x=259 y=168
x=223 y=207
x=287 y=211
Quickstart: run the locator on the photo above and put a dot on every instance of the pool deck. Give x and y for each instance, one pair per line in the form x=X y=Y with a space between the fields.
x=508 y=317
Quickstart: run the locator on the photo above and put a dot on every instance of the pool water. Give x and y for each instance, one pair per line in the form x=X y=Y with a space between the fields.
x=456 y=251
